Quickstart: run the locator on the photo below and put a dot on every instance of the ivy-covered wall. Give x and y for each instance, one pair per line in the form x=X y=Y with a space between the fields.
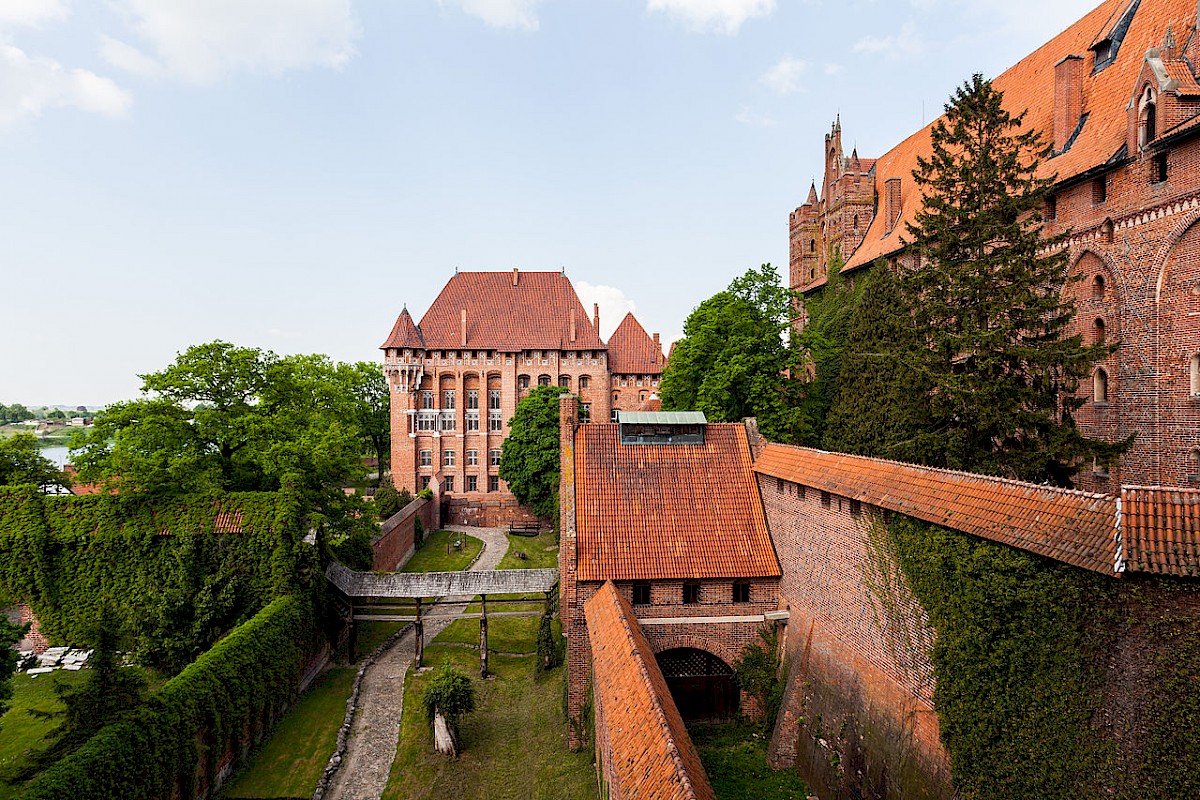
x=177 y=744
x=180 y=572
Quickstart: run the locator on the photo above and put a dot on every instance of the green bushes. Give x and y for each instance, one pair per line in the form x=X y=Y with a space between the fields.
x=213 y=707
x=759 y=672
x=179 y=579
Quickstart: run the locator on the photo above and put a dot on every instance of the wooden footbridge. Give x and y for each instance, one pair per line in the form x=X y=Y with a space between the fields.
x=405 y=596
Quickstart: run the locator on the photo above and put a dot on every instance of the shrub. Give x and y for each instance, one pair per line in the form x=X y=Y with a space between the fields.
x=451 y=693
x=758 y=671
x=387 y=500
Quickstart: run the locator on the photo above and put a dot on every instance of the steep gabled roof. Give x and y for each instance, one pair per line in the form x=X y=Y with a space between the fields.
x=1029 y=86
x=669 y=511
x=652 y=755
x=405 y=333
x=536 y=313
x=631 y=351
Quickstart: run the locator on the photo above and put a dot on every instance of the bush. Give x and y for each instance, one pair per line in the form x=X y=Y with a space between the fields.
x=387 y=501
x=758 y=671
x=451 y=693
x=355 y=551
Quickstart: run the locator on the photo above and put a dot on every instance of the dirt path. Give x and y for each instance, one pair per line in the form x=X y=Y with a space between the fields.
x=376 y=730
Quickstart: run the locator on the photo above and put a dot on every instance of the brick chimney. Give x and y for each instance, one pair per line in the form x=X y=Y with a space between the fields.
x=463 y=328
x=516 y=273
x=596 y=313
x=891 y=203
x=657 y=350
x=1068 y=99
x=572 y=326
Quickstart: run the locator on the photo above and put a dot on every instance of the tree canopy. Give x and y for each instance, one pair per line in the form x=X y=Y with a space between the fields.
x=529 y=458
x=1001 y=364
x=21 y=462
x=735 y=359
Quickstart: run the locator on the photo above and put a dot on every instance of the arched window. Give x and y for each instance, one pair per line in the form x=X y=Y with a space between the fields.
x=1098 y=287
x=543 y=380
x=564 y=381
x=1100 y=386
x=1195 y=372
x=584 y=381
x=1193 y=473
x=1147 y=118
x=1098 y=331
x=1106 y=231
x=812 y=245
x=522 y=381
x=856 y=222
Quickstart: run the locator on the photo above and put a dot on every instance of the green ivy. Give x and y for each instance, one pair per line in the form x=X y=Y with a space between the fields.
x=177 y=583
x=175 y=741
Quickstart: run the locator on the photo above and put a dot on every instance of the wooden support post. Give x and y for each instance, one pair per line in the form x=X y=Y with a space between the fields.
x=483 y=639
x=420 y=632
x=547 y=610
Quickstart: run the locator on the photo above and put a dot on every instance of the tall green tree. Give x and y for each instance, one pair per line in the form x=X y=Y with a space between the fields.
x=529 y=457
x=736 y=359
x=21 y=461
x=881 y=398
x=1001 y=364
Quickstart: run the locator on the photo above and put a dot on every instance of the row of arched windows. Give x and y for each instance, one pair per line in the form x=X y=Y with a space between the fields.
x=1100 y=380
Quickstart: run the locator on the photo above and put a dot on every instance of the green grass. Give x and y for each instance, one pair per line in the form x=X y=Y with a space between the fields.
x=514 y=744
x=505 y=634
x=432 y=555
x=290 y=763
x=22 y=734
x=735 y=758
x=373 y=634
x=535 y=548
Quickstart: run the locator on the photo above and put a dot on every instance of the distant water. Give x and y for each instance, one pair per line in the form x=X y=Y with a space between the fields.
x=59 y=455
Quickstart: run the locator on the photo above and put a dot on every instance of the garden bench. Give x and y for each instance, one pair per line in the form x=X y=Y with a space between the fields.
x=524 y=528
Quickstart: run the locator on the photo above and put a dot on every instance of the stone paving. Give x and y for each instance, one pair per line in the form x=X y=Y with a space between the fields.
x=376 y=730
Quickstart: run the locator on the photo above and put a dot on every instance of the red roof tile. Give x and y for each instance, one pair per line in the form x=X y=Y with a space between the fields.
x=651 y=754
x=534 y=314
x=631 y=351
x=1029 y=86
x=1078 y=528
x=404 y=334
x=669 y=511
x=1161 y=529
x=1180 y=72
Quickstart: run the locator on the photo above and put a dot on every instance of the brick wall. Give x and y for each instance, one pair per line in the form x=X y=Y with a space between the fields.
x=35 y=640
x=397 y=536
x=858 y=718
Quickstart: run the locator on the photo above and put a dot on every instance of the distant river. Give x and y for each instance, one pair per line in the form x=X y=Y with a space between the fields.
x=59 y=455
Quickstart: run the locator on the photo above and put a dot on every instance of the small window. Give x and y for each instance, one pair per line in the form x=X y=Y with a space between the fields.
x=812 y=245
x=448 y=399
x=780 y=485
x=1106 y=231
x=522 y=381
x=584 y=381
x=1158 y=168
x=1051 y=207
x=856 y=222
x=494 y=399
x=741 y=592
x=1100 y=386
x=495 y=421
x=494 y=457
x=612 y=417
x=1098 y=331
x=641 y=594
x=473 y=398
x=472 y=483
x=800 y=491
x=564 y=381
x=691 y=594
x=826 y=500
x=472 y=458
x=1195 y=375
x=426 y=398
x=493 y=483
x=424 y=481
x=448 y=458
x=426 y=458
x=855 y=508
x=585 y=412
x=1193 y=474
x=1100 y=190
x=449 y=484
x=543 y=380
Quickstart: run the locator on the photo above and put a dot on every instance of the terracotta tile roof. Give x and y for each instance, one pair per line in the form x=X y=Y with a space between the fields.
x=669 y=511
x=1078 y=528
x=631 y=351
x=1029 y=85
x=1180 y=72
x=404 y=334
x=651 y=754
x=1161 y=529
x=535 y=314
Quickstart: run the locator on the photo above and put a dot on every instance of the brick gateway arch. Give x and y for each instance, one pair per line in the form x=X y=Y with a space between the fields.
x=701 y=683
x=401 y=596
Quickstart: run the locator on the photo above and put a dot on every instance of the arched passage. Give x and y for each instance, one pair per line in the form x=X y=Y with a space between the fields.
x=702 y=685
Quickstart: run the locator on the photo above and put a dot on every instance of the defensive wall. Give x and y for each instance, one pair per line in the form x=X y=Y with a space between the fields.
x=397 y=536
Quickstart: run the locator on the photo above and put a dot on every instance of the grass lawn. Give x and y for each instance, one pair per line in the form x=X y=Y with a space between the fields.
x=735 y=758
x=290 y=763
x=535 y=548
x=505 y=634
x=514 y=744
x=373 y=634
x=432 y=555
x=21 y=733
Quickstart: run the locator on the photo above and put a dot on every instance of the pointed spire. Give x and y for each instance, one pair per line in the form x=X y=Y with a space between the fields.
x=812 y=194
x=1170 y=50
x=405 y=333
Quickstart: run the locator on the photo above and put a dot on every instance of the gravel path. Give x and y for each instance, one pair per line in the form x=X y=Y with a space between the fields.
x=376 y=730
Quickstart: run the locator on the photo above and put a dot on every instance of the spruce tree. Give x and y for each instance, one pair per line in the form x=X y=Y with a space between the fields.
x=881 y=399
x=989 y=309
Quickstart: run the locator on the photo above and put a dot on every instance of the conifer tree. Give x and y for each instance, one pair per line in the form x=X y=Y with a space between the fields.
x=989 y=309
x=880 y=402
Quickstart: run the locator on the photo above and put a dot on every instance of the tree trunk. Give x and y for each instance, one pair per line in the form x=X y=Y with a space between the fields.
x=444 y=740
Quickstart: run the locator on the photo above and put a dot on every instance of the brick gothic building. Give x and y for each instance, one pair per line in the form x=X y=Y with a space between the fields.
x=1117 y=97
x=636 y=362
x=667 y=509
x=456 y=379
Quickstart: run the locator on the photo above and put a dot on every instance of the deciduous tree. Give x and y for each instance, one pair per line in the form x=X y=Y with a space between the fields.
x=22 y=462
x=529 y=458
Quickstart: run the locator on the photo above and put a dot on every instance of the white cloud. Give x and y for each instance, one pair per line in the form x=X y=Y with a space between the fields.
x=832 y=69
x=502 y=13
x=29 y=85
x=784 y=77
x=724 y=16
x=199 y=43
x=614 y=305
x=905 y=44
x=31 y=12
x=755 y=120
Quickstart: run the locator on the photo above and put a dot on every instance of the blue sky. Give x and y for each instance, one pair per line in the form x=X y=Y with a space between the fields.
x=289 y=173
